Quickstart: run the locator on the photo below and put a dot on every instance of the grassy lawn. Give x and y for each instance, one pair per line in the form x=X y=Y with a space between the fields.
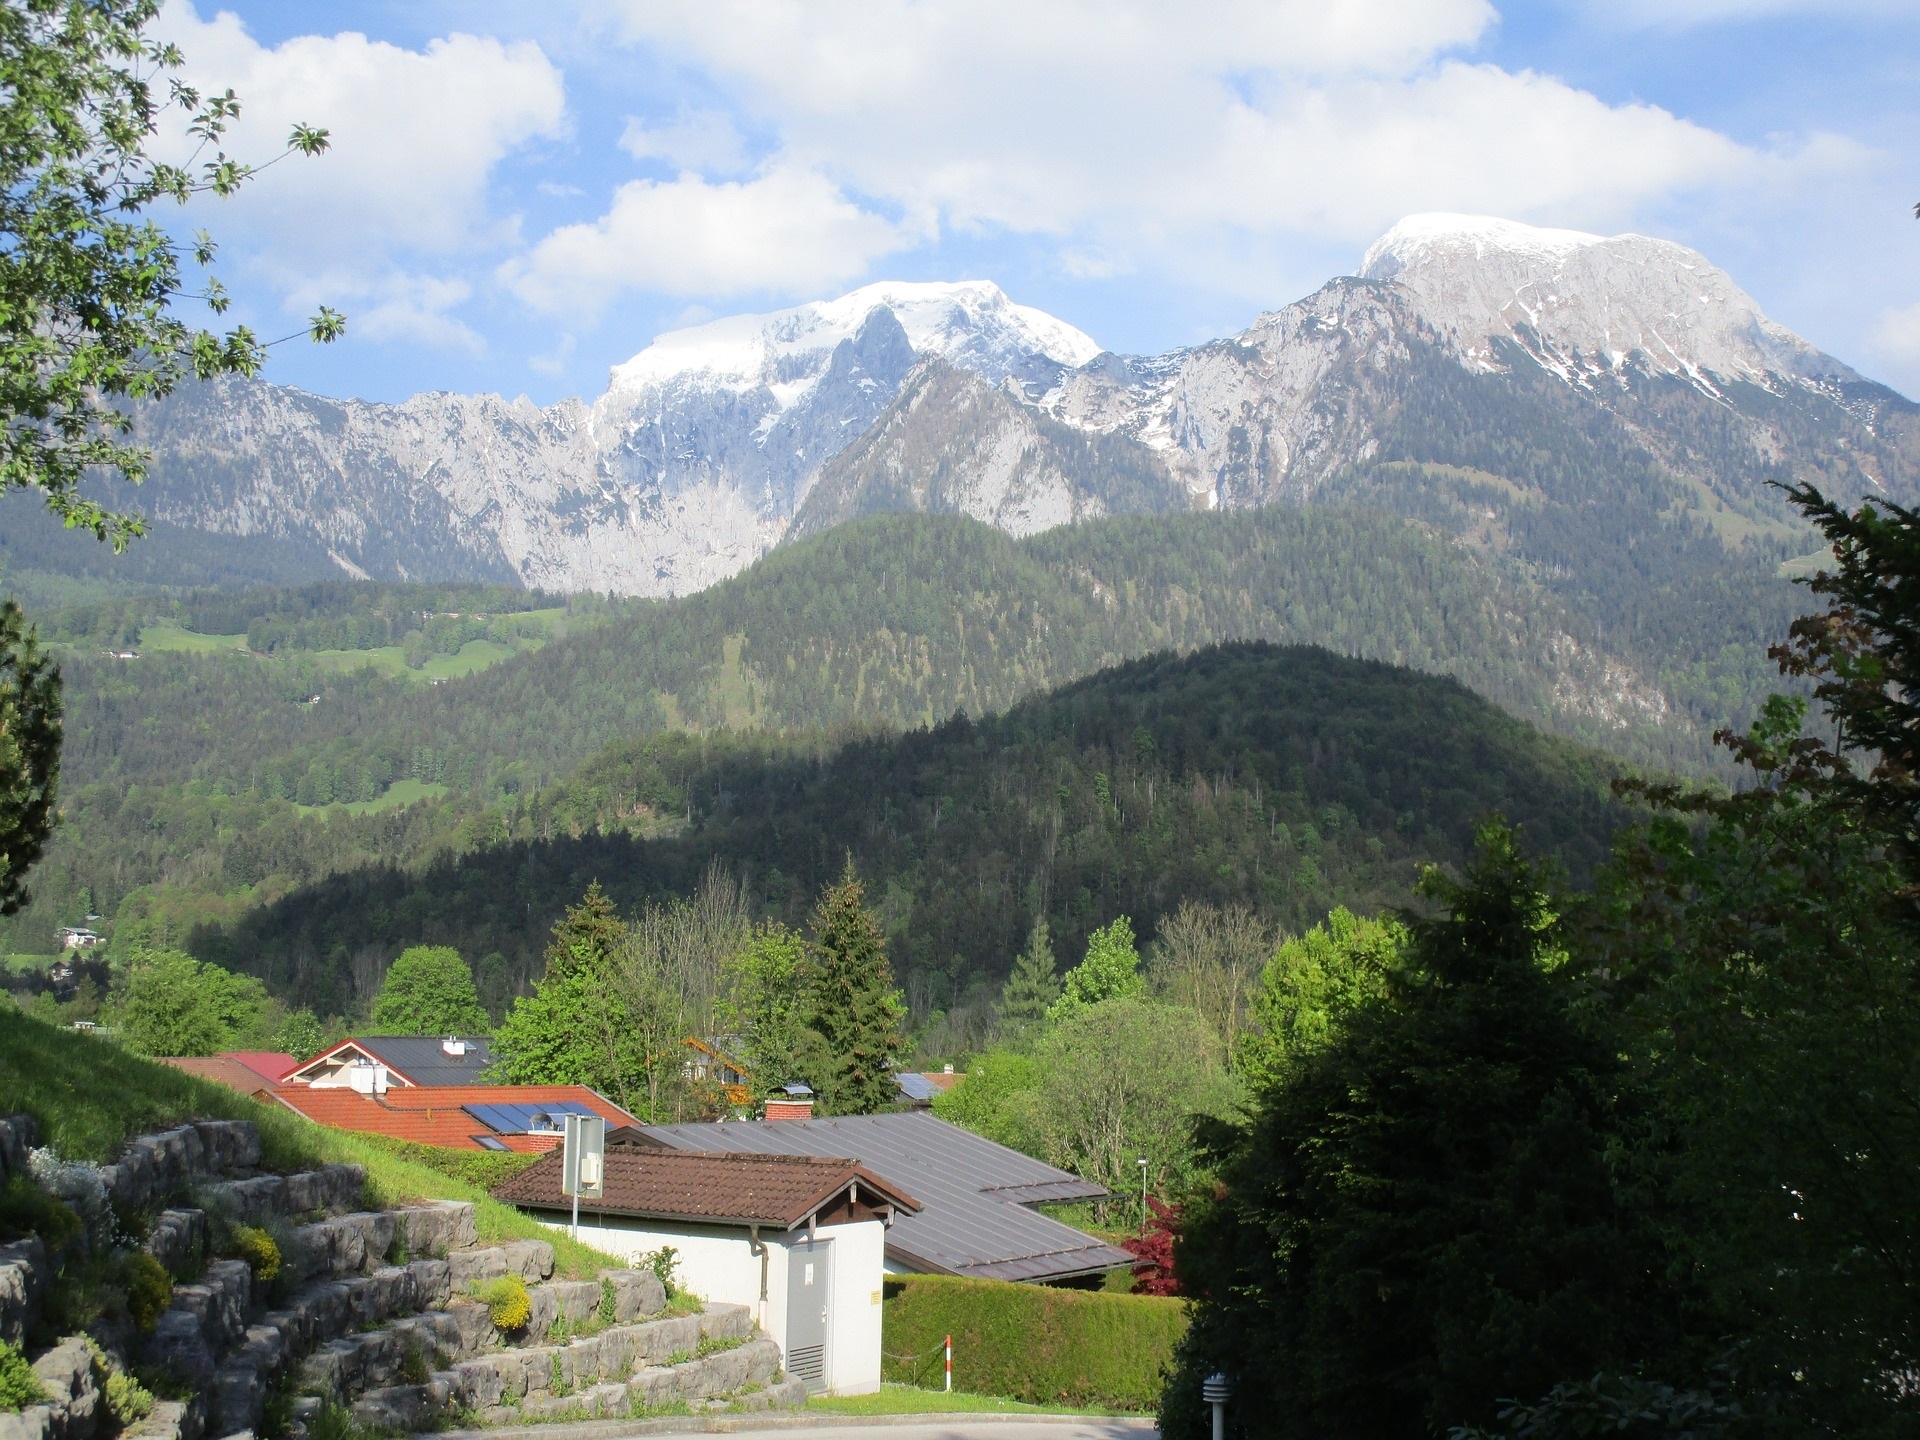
x=391 y=661
x=167 y=636
x=401 y=792
x=89 y=1096
x=27 y=964
x=906 y=1400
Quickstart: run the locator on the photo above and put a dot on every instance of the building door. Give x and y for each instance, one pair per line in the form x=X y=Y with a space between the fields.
x=809 y=1296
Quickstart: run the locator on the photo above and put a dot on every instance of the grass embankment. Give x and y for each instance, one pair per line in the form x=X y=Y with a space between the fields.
x=893 y=1399
x=1032 y=1343
x=90 y=1097
x=401 y=792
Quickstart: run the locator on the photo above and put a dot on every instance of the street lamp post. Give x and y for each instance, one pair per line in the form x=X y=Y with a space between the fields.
x=1214 y=1390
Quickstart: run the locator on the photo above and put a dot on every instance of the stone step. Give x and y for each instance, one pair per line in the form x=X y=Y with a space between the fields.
x=330 y=1190
x=744 y=1376
x=505 y=1377
x=366 y=1331
x=155 y=1168
x=352 y=1243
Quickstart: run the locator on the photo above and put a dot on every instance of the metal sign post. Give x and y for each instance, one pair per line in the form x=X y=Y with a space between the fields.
x=583 y=1162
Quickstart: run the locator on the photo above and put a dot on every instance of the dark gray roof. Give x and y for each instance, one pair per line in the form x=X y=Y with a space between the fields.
x=964 y=1227
x=918 y=1088
x=421 y=1060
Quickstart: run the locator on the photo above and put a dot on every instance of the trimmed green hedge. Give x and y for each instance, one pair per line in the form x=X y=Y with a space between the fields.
x=1032 y=1342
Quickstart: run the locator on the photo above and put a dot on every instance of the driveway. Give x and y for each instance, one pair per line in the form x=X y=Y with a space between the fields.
x=953 y=1427
x=818 y=1426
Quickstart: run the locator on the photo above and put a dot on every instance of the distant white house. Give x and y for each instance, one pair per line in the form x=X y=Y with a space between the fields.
x=73 y=938
x=800 y=1239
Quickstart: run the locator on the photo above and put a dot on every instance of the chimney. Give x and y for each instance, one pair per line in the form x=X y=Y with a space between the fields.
x=790 y=1102
x=948 y=1070
x=367 y=1078
x=454 y=1045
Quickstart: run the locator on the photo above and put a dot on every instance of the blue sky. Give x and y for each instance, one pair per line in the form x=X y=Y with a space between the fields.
x=521 y=195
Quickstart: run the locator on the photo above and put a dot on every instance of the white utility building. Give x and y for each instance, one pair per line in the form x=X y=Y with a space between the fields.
x=801 y=1239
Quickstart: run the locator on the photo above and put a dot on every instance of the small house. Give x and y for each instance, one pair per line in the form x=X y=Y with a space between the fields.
x=403 y=1060
x=800 y=1239
x=978 y=1212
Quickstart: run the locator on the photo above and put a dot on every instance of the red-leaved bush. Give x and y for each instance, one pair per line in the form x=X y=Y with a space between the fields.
x=1153 y=1252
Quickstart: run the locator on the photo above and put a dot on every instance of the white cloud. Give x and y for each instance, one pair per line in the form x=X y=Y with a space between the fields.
x=415 y=134
x=1139 y=134
x=788 y=229
x=704 y=140
x=1896 y=336
x=1687 y=14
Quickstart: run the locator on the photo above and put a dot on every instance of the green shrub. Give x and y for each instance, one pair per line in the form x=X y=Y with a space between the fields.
x=129 y=1400
x=258 y=1249
x=1032 y=1343
x=149 y=1291
x=507 y=1301
x=413 y=1366
x=19 y=1386
x=609 y=1302
x=663 y=1262
x=26 y=1209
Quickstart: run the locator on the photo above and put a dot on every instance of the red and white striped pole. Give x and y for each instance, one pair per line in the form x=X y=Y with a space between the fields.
x=949 y=1363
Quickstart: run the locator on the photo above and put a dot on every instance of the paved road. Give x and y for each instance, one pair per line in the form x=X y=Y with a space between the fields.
x=957 y=1427
x=817 y=1426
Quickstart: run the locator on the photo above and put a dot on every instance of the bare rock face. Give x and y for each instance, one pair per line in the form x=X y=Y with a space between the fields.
x=715 y=443
x=686 y=470
x=953 y=443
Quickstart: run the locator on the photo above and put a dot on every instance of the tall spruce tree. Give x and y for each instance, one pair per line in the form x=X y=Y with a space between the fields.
x=1033 y=986
x=1422 y=1218
x=853 y=1011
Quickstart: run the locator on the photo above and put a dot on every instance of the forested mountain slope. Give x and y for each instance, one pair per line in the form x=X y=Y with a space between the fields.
x=1284 y=778
x=190 y=770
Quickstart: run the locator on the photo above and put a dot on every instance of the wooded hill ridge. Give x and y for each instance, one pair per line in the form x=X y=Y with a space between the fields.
x=208 y=775
x=1283 y=778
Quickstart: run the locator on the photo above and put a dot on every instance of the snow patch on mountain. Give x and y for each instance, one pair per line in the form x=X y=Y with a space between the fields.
x=969 y=323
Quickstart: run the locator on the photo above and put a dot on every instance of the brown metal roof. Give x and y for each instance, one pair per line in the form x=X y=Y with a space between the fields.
x=734 y=1189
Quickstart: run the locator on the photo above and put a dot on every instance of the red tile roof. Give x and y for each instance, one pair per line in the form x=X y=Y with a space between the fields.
x=728 y=1188
x=432 y=1115
x=224 y=1070
x=271 y=1065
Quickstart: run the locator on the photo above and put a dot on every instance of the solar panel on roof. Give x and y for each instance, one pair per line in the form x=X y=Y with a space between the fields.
x=523 y=1118
x=916 y=1086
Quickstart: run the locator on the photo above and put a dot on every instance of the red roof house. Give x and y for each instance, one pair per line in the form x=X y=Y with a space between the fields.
x=527 y=1118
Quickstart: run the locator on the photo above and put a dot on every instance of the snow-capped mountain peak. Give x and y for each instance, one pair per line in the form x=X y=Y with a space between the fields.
x=1424 y=239
x=1586 y=306
x=971 y=323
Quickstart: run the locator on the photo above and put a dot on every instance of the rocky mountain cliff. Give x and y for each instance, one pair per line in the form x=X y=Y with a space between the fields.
x=1467 y=349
